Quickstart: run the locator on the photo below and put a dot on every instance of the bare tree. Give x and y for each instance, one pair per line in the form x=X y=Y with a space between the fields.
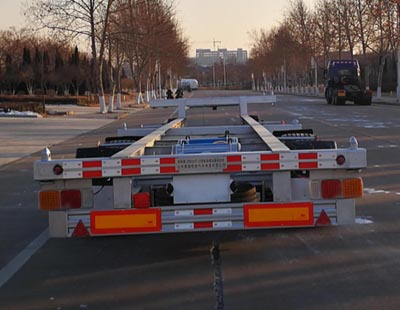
x=323 y=25
x=77 y=18
x=382 y=41
x=152 y=40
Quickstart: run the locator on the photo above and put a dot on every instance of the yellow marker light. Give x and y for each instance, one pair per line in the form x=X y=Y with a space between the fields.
x=352 y=188
x=49 y=200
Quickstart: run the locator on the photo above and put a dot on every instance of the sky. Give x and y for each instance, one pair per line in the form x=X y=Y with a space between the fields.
x=202 y=21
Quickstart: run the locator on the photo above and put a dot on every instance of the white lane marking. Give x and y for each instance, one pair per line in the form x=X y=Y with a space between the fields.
x=18 y=261
x=363 y=221
x=375 y=191
x=391 y=146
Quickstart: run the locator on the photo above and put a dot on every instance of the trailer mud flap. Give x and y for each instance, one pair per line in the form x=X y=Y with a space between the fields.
x=125 y=222
x=279 y=215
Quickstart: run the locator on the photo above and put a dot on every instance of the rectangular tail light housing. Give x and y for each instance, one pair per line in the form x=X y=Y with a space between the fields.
x=337 y=188
x=65 y=199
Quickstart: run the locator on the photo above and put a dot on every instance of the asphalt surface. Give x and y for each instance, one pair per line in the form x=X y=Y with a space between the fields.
x=347 y=267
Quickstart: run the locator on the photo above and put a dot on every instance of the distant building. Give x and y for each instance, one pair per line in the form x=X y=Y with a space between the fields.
x=207 y=57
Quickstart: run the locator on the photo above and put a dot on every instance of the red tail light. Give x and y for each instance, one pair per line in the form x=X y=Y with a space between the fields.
x=331 y=189
x=66 y=199
x=71 y=199
x=340 y=188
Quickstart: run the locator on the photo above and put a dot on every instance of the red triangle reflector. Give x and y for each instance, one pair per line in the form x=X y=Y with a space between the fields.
x=323 y=219
x=80 y=230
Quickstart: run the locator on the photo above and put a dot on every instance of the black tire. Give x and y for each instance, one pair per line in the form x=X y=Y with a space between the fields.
x=340 y=101
x=328 y=96
x=367 y=101
x=329 y=100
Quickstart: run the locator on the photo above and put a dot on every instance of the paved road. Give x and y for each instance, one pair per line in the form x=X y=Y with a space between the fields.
x=352 y=267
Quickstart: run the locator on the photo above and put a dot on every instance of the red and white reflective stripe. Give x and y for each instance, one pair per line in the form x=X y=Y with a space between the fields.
x=270 y=162
x=203 y=225
x=199 y=212
x=282 y=161
x=234 y=163
x=116 y=167
x=169 y=165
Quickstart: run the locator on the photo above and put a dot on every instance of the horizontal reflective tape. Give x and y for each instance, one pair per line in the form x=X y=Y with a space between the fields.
x=72 y=165
x=125 y=221
x=92 y=174
x=149 y=170
x=92 y=164
x=308 y=165
x=203 y=212
x=111 y=163
x=270 y=157
x=251 y=167
x=184 y=213
x=327 y=164
x=131 y=162
x=308 y=156
x=72 y=174
x=150 y=161
x=233 y=168
x=203 y=225
x=223 y=211
x=131 y=171
x=251 y=158
x=289 y=157
x=327 y=155
x=275 y=215
x=168 y=170
x=184 y=226
x=111 y=172
x=289 y=165
x=167 y=161
x=233 y=159
x=226 y=224
x=276 y=166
